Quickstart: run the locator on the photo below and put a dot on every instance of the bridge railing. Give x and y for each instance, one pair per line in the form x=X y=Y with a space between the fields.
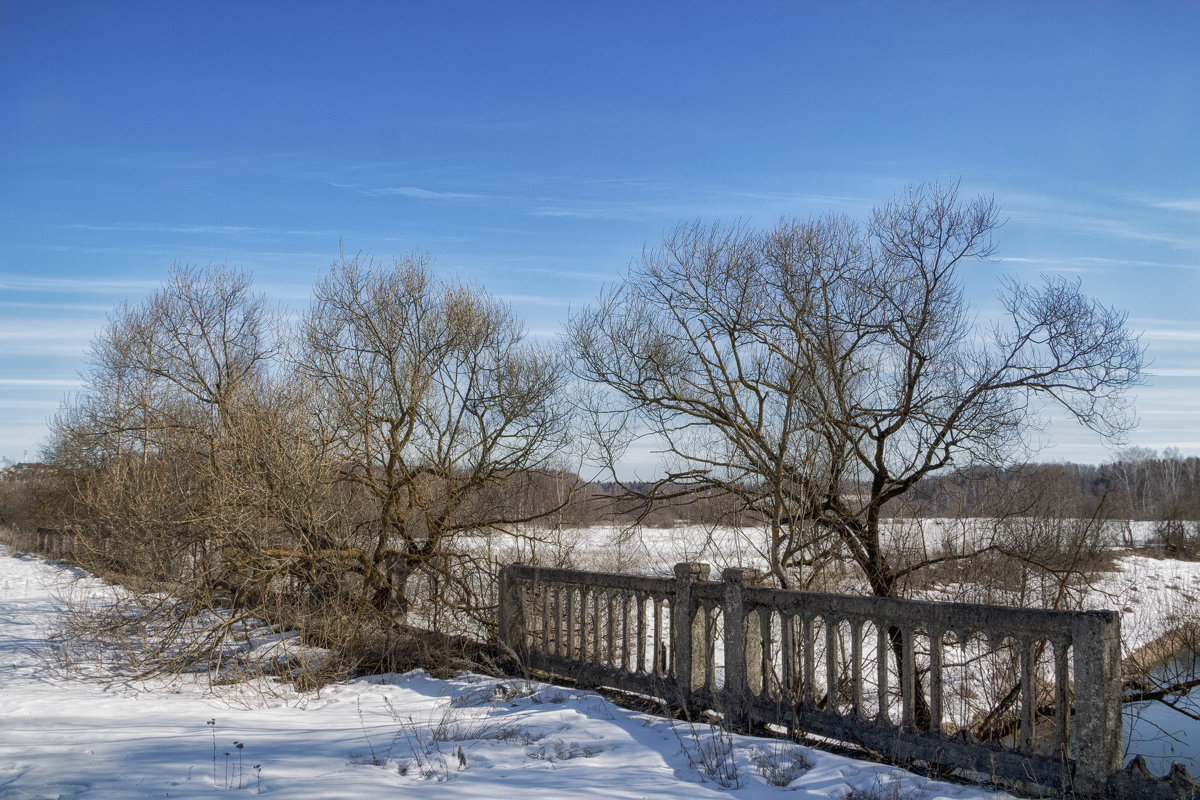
x=1020 y=694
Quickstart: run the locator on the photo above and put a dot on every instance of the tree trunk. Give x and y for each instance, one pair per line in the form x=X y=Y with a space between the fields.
x=392 y=597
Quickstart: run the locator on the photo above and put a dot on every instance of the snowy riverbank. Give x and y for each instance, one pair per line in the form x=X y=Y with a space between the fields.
x=386 y=736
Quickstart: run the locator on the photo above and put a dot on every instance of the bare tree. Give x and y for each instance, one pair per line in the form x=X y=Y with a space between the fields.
x=434 y=406
x=1164 y=489
x=162 y=454
x=820 y=370
x=306 y=476
x=149 y=442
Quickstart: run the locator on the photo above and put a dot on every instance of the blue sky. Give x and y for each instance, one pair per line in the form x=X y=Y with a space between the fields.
x=536 y=147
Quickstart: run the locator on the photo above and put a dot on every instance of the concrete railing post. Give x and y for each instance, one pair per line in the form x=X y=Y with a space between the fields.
x=1098 y=746
x=511 y=613
x=687 y=630
x=743 y=644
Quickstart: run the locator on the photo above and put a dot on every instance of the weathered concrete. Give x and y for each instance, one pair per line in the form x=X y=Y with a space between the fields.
x=797 y=659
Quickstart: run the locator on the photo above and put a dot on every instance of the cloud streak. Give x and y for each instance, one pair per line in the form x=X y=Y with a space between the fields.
x=1123 y=219
x=49 y=307
x=200 y=229
x=29 y=405
x=1090 y=263
x=535 y=300
x=39 y=283
x=1192 y=206
x=594 y=212
x=1184 y=372
x=1172 y=335
x=49 y=383
x=414 y=192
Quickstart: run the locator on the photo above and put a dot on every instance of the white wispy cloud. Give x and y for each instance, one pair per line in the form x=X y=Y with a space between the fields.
x=1179 y=398
x=666 y=200
x=44 y=348
x=29 y=405
x=1191 y=205
x=823 y=202
x=191 y=161
x=60 y=328
x=37 y=383
x=1164 y=322
x=1120 y=219
x=143 y=227
x=50 y=307
x=197 y=228
x=580 y=212
x=54 y=337
x=1072 y=265
x=535 y=300
x=415 y=192
x=623 y=210
x=1100 y=261
x=1083 y=264
x=41 y=283
x=1172 y=334
x=1182 y=372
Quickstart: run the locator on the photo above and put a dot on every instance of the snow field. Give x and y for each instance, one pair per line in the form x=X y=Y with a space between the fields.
x=401 y=733
x=383 y=736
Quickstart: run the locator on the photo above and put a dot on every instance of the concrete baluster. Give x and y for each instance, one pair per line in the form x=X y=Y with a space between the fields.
x=687 y=629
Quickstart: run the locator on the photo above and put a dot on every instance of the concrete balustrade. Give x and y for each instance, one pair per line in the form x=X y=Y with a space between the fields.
x=895 y=676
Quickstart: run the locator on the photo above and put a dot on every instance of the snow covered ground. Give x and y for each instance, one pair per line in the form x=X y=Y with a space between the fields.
x=385 y=736
x=403 y=733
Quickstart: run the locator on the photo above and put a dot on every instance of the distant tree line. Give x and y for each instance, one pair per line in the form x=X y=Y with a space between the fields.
x=1137 y=484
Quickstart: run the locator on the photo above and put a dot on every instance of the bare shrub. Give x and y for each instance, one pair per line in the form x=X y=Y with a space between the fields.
x=780 y=764
x=709 y=749
x=883 y=789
